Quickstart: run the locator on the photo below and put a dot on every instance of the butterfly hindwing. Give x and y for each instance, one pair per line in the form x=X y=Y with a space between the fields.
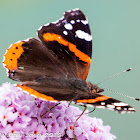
x=102 y=101
x=62 y=89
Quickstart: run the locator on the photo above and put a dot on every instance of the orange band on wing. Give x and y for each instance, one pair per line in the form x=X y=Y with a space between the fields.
x=12 y=55
x=54 y=37
x=98 y=99
x=36 y=93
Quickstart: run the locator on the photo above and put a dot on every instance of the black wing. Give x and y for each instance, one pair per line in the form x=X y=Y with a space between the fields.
x=71 y=41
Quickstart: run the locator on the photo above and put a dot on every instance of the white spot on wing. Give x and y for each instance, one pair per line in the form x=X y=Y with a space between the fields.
x=65 y=32
x=118 y=108
x=68 y=26
x=101 y=107
x=120 y=104
x=102 y=103
x=131 y=109
x=85 y=22
x=72 y=21
x=110 y=106
x=82 y=35
x=78 y=20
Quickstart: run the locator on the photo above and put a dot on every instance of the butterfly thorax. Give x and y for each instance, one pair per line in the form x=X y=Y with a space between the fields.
x=79 y=85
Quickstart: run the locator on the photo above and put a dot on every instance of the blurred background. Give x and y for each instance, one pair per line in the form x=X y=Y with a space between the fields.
x=115 y=27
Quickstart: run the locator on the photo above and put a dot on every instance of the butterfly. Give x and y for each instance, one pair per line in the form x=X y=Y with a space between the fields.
x=55 y=67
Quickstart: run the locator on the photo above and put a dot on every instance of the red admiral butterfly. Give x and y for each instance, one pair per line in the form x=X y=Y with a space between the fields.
x=55 y=67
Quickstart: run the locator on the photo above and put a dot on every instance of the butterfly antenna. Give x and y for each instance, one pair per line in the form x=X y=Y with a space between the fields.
x=115 y=75
x=122 y=94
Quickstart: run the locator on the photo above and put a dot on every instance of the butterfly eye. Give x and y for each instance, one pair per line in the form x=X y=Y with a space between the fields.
x=94 y=91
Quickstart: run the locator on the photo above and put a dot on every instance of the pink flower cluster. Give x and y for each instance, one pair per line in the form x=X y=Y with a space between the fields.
x=20 y=119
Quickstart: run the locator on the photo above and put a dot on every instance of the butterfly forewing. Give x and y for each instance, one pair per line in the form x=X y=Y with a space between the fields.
x=70 y=39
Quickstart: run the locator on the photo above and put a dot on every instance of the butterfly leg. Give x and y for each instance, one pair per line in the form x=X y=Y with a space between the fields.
x=49 y=109
x=73 y=100
x=79 y=118
x=69 y=103
x=91 y=110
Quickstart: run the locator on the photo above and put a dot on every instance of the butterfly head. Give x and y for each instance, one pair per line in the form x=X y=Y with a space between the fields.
x=94 y=88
